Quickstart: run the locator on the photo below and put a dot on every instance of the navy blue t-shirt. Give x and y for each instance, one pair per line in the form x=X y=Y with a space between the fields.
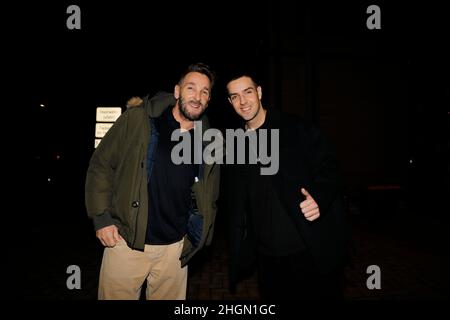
x=169 y=186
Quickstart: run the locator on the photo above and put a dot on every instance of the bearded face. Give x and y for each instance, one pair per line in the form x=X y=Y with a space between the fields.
x=192 y=109
x=193 y=95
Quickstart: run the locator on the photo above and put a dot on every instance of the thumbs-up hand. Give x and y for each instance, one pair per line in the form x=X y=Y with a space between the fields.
x=309 y=207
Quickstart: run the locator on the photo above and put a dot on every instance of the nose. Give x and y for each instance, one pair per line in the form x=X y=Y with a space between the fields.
x=198 y=96
x=242 y=100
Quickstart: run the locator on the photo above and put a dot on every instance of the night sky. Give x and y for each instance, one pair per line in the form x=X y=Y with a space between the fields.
x=381 y=92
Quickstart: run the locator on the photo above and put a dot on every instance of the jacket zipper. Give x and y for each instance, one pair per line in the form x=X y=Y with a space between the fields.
x=138 y=208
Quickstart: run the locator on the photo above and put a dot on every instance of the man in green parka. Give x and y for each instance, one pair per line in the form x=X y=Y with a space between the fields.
x=151 y=214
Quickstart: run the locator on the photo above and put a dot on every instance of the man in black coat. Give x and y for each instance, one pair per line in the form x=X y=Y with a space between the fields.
x=291 y=222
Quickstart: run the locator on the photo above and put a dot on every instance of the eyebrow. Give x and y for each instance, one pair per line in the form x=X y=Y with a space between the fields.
x=233 y=93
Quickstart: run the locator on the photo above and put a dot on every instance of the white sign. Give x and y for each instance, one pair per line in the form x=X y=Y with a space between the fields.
x=101 y=129
x=105 y=114
x=96 y=142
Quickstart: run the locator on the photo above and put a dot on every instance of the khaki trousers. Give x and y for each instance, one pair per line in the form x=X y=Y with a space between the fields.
x=124 y=271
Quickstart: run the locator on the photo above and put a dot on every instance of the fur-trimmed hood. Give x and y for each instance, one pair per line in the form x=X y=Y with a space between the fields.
x=155 y=105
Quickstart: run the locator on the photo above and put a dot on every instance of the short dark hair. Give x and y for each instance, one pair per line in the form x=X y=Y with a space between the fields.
x=200 y=68
x=240 y=70
x=243 y=74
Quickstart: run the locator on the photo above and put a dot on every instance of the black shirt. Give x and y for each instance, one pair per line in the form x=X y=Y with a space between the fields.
x=169 y=186
x=275 y=231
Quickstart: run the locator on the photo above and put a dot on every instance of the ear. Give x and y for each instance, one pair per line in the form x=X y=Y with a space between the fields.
x=259 y=90
x=229 y=100
x=176 y=91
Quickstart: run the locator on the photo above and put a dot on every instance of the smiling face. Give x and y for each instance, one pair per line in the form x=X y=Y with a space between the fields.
x=245 y=98
x=193 y=94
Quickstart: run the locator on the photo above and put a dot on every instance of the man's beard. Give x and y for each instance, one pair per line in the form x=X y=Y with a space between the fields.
x=185 y=112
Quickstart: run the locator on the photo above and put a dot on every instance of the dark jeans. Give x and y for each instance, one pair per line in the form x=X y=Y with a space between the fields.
x=296 y=277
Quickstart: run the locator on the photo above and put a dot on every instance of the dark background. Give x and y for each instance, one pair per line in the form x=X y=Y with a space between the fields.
x=381 y=96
